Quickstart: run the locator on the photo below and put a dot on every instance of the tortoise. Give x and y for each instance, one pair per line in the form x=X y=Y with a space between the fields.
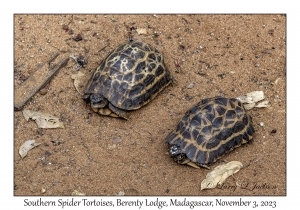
x=127 y=79
x=209 y=130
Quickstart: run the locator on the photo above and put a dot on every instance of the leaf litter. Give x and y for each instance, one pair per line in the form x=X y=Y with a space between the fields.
x=250 y=99
x=43 y=120
x=78 y=81
x=220 y=174
x=141 y=31
x=77 y=193
x=27 y=146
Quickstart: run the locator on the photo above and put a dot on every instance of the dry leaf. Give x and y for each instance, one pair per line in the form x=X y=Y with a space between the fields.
x=276 y=81
x=252 y=97
x=220 y=174
x=141 y=31
x=259 y=105
x=26 y=146
x=43 y=120
x=249 y=106
x=121 y=193
x=191 y=85
x=76 y=192
x=249 y=100
x=78 y=81
x=262 y=104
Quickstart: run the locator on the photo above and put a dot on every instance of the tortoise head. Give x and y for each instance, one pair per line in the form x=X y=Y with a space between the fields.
x=98 y=101
x=178 y=156
x=176 y=153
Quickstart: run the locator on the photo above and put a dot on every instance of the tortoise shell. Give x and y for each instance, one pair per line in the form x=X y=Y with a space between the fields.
x=129 y=77
x=208 y=130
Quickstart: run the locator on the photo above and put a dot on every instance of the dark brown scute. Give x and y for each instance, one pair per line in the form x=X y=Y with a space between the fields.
x=138 y=101
x=159 y=71
x=190 y=151
x=210 y=117
x=239 y=111
x=212 y=142
x=149 y=79
x=115 y=85
x=195 y=134
x=141 y=66
x=123 y=87
x=224 y=134
x=217 y=122
x=170 y=137
x=245 y=136
x=128 y=77
x=127 y=104
x=231 y=114
x=250 y=130
x=136 y=89
x=200 y=139
x=207 y=129
x=158 y=58
x=201 y=157
x=228 y=122
x=186 y=135
x=152 y=56
x=238 y=126
x=205 y=101
x=208 y=108
x=222 y=101
x=221 y=110
x=196 y=120
x=245 y=120
x=180 y=126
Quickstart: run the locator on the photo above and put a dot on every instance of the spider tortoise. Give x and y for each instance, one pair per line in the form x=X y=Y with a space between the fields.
x=209 y=130
x=127 y=79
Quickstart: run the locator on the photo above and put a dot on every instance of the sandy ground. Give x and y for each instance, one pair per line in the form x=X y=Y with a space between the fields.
x=227 y=55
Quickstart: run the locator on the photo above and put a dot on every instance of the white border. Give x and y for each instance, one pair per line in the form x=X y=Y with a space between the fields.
x=8 y=201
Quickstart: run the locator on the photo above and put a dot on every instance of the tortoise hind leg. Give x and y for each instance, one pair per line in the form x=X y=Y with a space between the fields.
x=194 y=165
x=107 y=112
x=116 y=112
x=190 y=163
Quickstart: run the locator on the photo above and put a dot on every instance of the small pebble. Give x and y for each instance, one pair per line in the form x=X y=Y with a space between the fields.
x=191 y=85
x=261 y=124
x=43 y=91
x=271 y=32
x=116 y=139
x=65 y=27
x=223 y=75
x=76 y=193
x=78 y=38
x=121 y=193
x=111 y=147
x=71 y=32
